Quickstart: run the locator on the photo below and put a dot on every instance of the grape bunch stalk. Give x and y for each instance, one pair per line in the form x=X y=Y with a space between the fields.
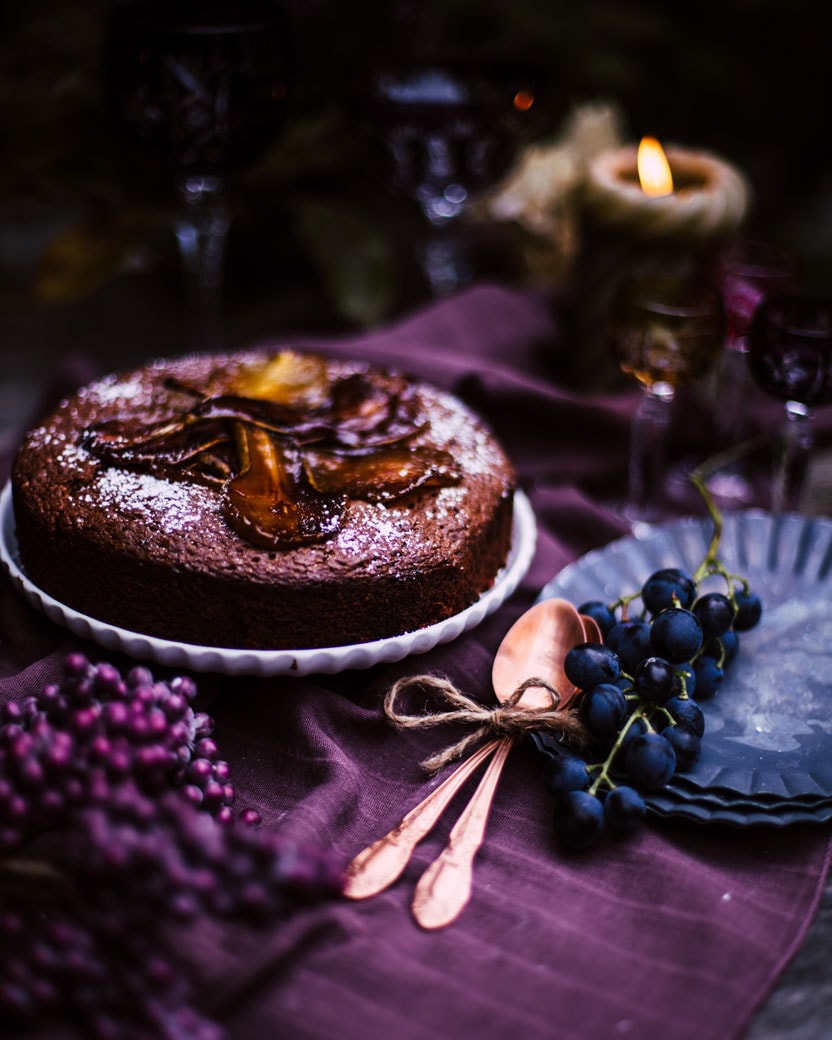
x=117 y=829
x=665 y=648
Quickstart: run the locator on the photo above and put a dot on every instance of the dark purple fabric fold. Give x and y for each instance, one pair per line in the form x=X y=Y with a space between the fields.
x=677 y=932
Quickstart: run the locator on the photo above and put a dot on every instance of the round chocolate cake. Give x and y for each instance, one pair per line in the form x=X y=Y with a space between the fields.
x=263 y=501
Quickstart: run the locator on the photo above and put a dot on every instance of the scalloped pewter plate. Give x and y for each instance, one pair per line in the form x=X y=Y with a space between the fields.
x=738 y=812
x=769 y=729
x=266 y=663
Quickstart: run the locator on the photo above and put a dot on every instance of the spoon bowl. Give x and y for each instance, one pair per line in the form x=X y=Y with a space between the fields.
x=535 y=647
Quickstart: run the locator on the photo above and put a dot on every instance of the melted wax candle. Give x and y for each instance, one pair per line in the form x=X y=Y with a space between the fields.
x=678 y=195
x=645 y=212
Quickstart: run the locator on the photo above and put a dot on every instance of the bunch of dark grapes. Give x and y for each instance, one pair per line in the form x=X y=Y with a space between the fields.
x=639 y=694
x=117 y=823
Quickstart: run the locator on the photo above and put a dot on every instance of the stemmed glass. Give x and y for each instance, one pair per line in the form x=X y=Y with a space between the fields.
x=748 y=271
x=664 y=332
x=442 y=131
x=790 y=357
x=204 y=87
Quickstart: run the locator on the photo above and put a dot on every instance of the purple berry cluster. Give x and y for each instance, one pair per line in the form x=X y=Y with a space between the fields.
x=116 y=824
x=638 y=696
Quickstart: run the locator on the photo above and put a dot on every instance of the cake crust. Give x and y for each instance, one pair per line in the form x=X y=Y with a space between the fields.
x=158 y=555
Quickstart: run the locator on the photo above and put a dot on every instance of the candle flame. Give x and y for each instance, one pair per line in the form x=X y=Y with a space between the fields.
x=653 y=168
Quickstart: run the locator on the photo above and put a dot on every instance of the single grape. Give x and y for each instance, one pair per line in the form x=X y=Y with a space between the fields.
x=715 y=613
x=631 y=641
x=676 y=635
x=624 y=808
x=650 y=761
x=685 y=744
x=730 y=646
x=600 y=614
x=749 y=610
x=579 y=819
x=565 y=772
x=602 y=709
x=588 y=664
x=669 y=587
x=708 y=678
x=655 y=680
x=686 y=712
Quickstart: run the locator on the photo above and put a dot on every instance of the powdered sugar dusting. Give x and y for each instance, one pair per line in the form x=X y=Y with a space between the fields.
x=72 y=453
x=66 y=451
x=173 y=506
x=113 y=389
x=376 y=542
x=379 y=538
x=456 y=428
x=379 y=534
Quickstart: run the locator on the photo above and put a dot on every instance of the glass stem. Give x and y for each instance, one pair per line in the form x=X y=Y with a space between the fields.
x=445 y=262
x=792 y=463
x=731 y=397
x=731 y=483
x=648 y=449
x=202 y=232
x=444 y=256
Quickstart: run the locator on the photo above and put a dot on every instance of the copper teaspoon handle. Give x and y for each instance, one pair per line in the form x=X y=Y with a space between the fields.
x=379 y=865
x=444 y=889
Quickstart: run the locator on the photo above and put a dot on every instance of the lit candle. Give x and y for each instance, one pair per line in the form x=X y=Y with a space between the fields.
x=644 y=211
x=677 y=195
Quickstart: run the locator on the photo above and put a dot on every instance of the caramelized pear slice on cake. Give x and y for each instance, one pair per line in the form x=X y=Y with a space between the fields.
x=270 y=502
x=382 y=475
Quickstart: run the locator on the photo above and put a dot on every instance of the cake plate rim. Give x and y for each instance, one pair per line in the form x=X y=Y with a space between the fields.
x=231 y=661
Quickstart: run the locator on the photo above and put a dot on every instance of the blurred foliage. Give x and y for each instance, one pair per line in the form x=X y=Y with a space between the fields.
x=353 y=255
x=748 y=79
x=90 y=251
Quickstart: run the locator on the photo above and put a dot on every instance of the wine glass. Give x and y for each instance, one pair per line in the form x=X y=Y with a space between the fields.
x=748 y=271
x=203 y=85
x=665 y=332
x=790 y=358
x=441 y=131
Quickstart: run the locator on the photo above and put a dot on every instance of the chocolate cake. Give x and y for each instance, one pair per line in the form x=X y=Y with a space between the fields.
x=266 y=501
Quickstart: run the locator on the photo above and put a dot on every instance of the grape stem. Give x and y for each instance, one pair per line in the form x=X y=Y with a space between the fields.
x=605 y=766
x=699 y=478
x=624 y=602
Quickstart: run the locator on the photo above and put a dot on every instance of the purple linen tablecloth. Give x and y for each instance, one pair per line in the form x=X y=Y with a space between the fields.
x=677 y=932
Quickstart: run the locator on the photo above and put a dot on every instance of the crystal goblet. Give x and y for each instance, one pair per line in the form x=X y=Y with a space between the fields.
x=790 y=358
x=201 y=87
x=441 y=131
x=664 y=332
x=745 y=273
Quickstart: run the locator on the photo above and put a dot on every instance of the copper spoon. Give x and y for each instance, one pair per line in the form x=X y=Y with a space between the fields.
x=382 y=863
x=534 y=647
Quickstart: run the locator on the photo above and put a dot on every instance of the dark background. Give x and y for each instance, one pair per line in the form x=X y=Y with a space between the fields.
x=88 y=265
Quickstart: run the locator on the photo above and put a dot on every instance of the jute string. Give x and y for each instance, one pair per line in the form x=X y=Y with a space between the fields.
x=501 y=720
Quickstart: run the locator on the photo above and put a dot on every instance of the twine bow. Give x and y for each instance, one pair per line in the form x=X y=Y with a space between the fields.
x=501 y=720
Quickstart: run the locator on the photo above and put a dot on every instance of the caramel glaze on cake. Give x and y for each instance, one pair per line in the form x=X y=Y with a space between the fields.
x=136 y=502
